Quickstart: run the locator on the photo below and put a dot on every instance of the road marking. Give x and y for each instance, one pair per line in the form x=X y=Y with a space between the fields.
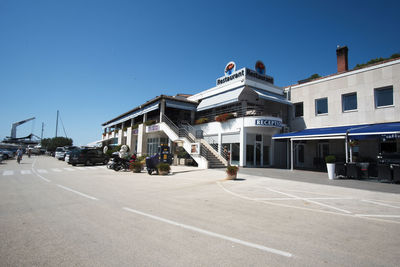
x=305 y=198
x=209 y=233
x=76 y=192
x=381 y=204
x=42 y=171
x=302 y=208
x=69 y=169
x=311 y=201
x=8 y=173
x=377 y=215
x=26 y=172
x=56 y=170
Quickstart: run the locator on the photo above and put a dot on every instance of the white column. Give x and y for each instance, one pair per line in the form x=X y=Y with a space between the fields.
x=291 y=155
x=120 y=137
x=162 y=109
x=243 y=141
x=140 y=138
x=129 y=138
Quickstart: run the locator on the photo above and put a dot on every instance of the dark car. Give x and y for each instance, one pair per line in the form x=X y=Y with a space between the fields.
x=87 y=156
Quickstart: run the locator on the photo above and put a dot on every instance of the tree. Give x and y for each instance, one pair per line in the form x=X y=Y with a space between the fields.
x=50 y=144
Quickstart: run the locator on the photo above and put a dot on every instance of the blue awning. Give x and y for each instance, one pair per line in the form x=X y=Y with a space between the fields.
x=353 y=131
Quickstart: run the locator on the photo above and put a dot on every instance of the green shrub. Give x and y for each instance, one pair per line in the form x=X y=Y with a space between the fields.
x=136 y=166
x=330 y=159
x=201 y=120
x=150 y=122
x=163 y=167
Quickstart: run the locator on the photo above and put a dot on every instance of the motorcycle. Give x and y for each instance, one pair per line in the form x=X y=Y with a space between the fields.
x=120 y=164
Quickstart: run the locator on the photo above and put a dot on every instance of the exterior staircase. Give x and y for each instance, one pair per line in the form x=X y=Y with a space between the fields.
x=208 y=157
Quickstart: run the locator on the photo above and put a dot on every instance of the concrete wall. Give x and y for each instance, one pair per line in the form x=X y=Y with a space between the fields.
x=363 y=82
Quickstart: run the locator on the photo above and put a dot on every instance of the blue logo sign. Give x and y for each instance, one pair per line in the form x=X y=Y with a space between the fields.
x=260 y=67
x=271 y=123
x=230 y=68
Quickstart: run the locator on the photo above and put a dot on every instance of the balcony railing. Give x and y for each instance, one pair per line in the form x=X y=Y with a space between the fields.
x=239 y=112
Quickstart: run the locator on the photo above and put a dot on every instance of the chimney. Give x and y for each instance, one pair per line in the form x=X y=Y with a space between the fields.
x=342 y=61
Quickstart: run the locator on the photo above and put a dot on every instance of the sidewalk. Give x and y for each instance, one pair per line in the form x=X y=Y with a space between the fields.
x=319 y=178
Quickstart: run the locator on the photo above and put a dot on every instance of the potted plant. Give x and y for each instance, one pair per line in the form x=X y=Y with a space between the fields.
x=136 y=166
x=224 y=117
x=163 y=168
x=330 y=166
x=201 y=120
x=231 y=171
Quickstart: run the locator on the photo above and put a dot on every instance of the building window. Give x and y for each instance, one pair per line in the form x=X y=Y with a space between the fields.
x=298 y=110
x=349 y=102
x=384 y=97
x=321 y=106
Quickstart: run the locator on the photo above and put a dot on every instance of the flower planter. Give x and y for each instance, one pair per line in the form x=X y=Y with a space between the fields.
x=163 y=172
x=231 y=176
x=331 y=170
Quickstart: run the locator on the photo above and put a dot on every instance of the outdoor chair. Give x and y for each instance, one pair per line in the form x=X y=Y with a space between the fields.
x=384 y=172
x=353 y=171
x=396 y=174
x=340 y=169
x=373 y=170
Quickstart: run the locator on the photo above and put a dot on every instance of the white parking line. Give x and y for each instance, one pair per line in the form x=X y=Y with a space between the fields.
x=26 y=172
x=377 y=215
x=42 y=171
x=381 y=204
x=56 y=170
x=76 y=192
x=305 y=198
x=8 y=173
x=209 y=233
x=69 y=169
x=311 y=201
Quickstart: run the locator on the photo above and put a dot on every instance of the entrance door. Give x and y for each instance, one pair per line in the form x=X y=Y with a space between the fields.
x=258 y=153
x=300 y=155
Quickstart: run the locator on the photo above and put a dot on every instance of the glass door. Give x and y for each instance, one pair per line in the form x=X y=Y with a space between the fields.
x=258 y=153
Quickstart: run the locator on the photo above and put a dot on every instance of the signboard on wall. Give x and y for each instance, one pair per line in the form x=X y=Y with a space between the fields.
x=195 y=148
x=268 y=122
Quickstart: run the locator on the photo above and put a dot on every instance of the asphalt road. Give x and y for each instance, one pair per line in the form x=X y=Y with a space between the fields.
x=53 y=214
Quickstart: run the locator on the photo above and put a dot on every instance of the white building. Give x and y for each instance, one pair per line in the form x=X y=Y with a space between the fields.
x=232 y=122
x=362 y=105
x=246 y=120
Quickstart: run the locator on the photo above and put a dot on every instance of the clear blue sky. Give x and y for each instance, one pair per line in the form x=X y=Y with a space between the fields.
x=94 y=60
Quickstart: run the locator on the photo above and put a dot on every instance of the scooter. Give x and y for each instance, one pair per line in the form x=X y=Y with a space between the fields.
x=120 y=164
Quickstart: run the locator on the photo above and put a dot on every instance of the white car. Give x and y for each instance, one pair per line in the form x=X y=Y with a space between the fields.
x=60 y=153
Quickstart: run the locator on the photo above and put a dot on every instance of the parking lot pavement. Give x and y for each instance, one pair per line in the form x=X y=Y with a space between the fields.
x=320 y=178
x=359 y=201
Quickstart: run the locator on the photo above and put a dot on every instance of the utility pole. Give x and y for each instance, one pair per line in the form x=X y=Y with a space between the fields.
x=57 y=123
x=41 y=136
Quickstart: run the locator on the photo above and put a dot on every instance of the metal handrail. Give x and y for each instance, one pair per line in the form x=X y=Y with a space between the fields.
x=213 y=144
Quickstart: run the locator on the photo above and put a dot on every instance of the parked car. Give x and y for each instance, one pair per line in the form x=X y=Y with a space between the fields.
x=68 y=153
x=88 y=156
x=7 y=154
x=34 y=149
x=60 y=153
